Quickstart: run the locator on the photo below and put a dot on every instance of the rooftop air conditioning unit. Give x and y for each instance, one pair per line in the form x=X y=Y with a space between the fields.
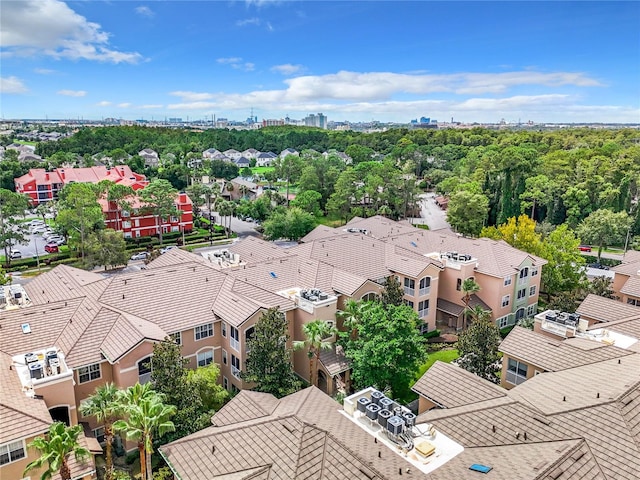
x=386 y=403
x=376 y=396
x=323 y=296
x=409 y=419
x=36 y=370
x=383 y=418
x=395 y=425
x=363 y=403
x=372 y=411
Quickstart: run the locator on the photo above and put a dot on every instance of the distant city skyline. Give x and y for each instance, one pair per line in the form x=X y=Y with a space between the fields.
x=563 y=62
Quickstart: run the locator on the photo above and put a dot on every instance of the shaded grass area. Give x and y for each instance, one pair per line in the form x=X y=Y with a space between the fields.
x=446 y=356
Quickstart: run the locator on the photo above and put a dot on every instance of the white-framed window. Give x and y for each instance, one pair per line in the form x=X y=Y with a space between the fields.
x=408 y=303
x=144 y=370
x=459 y=284
x=369 y=297
x=507 y=281
x=531 y=310
x=98 y=434
x=126 y=224
x=425 y=286
x=532 y=290
x=89 y=373
x=534 y=271
x=423 y=308
x=235 y=366
x=125 y=213
x=203 y=331
x=522 y=293
x=176 y=337
x=516 y=372
x=10 y=452
x=503 y=321
x=174 y=219
x=524 y=273
x=136 y=223
x=205 y=358
x=225 y=383
x=224 y=356
x=505 y=300
x=409 y=286
x=224 y=329
x=127 y=234
x=175 y=229
x=633 y=301
x=234 y=338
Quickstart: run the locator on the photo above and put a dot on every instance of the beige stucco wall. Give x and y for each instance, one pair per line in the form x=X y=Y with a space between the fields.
x=618 y=282
x=60 y=394
x=531 y=371
x=424 y=404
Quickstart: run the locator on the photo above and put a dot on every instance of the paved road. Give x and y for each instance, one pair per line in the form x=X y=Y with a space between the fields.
x=431 y=214
x=242 y=228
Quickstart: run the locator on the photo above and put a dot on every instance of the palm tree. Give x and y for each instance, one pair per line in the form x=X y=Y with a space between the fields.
x=316 y=334
x=351 y=315
x=105 y=406
x=61 y=441
x=469 y=287
x=146 y=414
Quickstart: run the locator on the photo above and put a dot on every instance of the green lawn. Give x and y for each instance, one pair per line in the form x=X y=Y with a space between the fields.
x=446 y=356
x=261 y=170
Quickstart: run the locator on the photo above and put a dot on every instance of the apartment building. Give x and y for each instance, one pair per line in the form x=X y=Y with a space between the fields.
x=509 y=278
x=626 y=280
x=42 y=186
x=138 y=221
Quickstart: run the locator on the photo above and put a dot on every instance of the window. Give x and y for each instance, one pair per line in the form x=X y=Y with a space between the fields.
x=522 y=293
x=459 y=284
x=225 y=383
x=408 y=303
x=532 y=309
x=98 y=434
x=507 y=281
x=224 y=329
x=516 y=372
x=235 y=366
x=176 y=337
x=423 y=308
x=505 y=300
x=503 y=321
x=204 y=331
x=234 y=341
x=175 y=229
x=524 y=273
x=532 y=291
x=125 y=213
x=10 y=452
x=89 y=373
x=633 y=301
x=205 y=358
x=249 y=333
x=409 y=286
x=224 y=356
x=369 y=297
x=425 y=286
x=174 y=219
x=126 y=224
x=534 y=271
x=144 y=370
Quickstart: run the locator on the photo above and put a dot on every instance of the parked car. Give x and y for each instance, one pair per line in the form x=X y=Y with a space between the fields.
x=39 y=229
x=51 y=248
x=57 y=240
x=598 y=266
x=166 y=249
x=139 y=256
x=13 y=254
x=584 y=248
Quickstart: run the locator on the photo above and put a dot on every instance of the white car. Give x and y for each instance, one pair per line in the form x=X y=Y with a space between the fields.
x=13 y=254
x=166 y=249
x=139 y=256
x=39 y=229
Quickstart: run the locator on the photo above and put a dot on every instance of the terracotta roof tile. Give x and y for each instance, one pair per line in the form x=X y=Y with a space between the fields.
x=334 y=361
x=451 y=386
x=631 y=287
x=606 y=309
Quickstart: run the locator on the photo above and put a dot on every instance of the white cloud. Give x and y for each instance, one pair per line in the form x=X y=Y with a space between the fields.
x=44 y=71
x=50 y=27
x=124 y=105
x=248 y=21
x=144 y=11
x=237 y=63
x=287 y=69
x=191 y=96
x=72 y=93
x=103 y=103
x=12 y=85
x=147 y=107
x=229 y=60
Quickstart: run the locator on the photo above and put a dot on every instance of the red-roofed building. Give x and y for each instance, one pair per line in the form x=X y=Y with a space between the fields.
x=140 y=222
x=43 y=186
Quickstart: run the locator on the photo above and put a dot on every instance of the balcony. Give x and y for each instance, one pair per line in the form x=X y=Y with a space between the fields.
x=235 y=344
x=235 y=372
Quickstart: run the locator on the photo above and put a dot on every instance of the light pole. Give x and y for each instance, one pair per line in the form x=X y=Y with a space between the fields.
x=35 y=243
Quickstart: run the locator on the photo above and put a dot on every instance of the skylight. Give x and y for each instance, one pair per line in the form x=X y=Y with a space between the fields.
x=26 y=328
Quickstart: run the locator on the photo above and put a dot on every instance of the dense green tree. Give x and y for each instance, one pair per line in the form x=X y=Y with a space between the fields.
x=344 y=194
x=518 y=232
x=392 y=293
x=206 y=382
x=79 y=213
x=316 y=338
x=104 y=405
x=467 y=212
x=388 y=347
x=478 y=347
x=222 y=169
x=292 y=224
x=288 y=169
x=12 y=232
x=602 y=286
x=122 y=196
x=159 y=197
x=359 y=153
x=603 y=228
x=55 y=449
x=564 y=271
x=309 y=201
x=106 y=247
x=537 y=193
x=269 y=364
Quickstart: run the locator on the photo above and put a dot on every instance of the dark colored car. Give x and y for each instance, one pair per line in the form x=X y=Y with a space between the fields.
x=598 y=266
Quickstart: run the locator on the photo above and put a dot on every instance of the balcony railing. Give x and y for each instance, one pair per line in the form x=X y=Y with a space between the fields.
x=235 y=344
x=409 y=291
x=235 y=372
x=423 y=313
x=425 y=291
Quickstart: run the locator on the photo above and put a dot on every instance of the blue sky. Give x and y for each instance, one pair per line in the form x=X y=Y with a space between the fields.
x=389 y=61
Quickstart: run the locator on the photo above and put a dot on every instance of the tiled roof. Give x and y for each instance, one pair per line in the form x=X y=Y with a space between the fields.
x=450 y=386
x=554 y=355
x=334 y=361
x=21 y=416
x=630 y=264
x=449 y=307
x=253 y=250
x=630 y=327
x=60 y=283
x=631 y=287
x=606 y=309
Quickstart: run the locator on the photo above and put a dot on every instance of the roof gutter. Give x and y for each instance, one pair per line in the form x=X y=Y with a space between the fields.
x=173 y=470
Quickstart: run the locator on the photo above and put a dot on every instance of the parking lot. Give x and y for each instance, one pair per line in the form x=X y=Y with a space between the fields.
x=33 y=246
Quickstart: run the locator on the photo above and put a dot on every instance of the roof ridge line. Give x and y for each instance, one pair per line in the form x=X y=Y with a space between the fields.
x=561 y=457
x=25 y=413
